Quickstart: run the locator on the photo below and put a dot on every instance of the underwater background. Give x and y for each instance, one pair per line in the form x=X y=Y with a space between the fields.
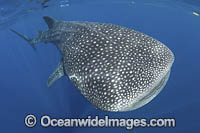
x=24 y=72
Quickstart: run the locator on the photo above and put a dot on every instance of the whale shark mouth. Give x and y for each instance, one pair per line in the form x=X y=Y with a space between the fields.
x=146 y=98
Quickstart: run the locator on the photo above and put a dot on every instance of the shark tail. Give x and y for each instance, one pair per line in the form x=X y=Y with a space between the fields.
x=31 y=41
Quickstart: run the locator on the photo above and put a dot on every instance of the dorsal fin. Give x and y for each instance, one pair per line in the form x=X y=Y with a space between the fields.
x=49 y=21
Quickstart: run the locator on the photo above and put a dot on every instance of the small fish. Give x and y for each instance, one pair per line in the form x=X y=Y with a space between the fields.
x=45 y=6
x=195 y=13
x=43 y=2
x=115 y=68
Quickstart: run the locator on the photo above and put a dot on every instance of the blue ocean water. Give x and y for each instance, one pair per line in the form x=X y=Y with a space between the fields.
x=24 y=72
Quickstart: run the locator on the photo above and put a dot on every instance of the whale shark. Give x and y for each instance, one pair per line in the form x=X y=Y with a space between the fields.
x=115 y=68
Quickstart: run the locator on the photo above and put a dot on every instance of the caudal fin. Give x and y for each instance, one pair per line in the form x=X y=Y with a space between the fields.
x=29 y=40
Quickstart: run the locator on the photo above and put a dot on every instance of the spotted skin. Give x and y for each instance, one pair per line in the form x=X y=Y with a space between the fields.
x=115 y=68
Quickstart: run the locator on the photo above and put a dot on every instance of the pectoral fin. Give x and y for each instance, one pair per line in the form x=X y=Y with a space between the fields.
x=58 y=73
